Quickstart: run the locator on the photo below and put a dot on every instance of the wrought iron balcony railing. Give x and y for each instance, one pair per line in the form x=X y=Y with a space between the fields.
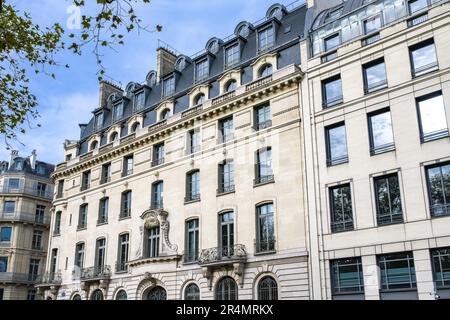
x=219 y=255
x=121 y=266
x=192 y=197
x=125 y=213
x=158 y=162
x=25 y=216
x=49 y=278
x=225 y=189
x=21 y=189
x=264 y=179
x=265 y=245
x=97 y=272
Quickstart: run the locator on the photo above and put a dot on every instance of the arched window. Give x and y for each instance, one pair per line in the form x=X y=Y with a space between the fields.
x=231 y=86
x=97 y=295
x=134 y=127
x=114 y=136
x=267 y=289
x=265 y=71
x=76 y=297
x=121 y=295
x=199 y=99
x=165 y=114
x=226 y=289
x=157 y=293
x=94 y=145
x=192 y=292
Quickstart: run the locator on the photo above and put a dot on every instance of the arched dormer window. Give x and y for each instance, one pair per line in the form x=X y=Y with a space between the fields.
x=135 y=126
x=199 y=99
x=213 y=45
x=265 y=71
x=165 y=114
x=151 y=78
x=113 y=137
x=243 y=29
x=94 y=145
x=231 y=85
x=276 y=11
x=130 y=88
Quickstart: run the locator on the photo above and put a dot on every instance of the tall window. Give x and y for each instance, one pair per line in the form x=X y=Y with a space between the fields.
x=201 y=70
x=336 y=142
x=31 y=295
x=265 y=234
x=341 y=208
x=168 y=86
x=263 y=168
x=9 y=208
x=332 y=42
x=226 y=129
x=153 y=242
x=125 y=207
x=41 y=189
x=438 y=181
x=36 y=243
x=60 y=192
x=85 y=180
x=100 y=255
x=33 y=270
x=157 y=195
x=192 y=292
x=423 y=58
x=380 y=132
x=103 y=211
x=397 y=271
x=122 y=255
x=388 y=200
x=53 y=261
x=192 y=243
x=193 y=186
x=82 y=216
x=57 y=225
x=232 y=55
x=158 y=154
x=332 y=91
x=441 y=267
x=3 y=264
x=118 y=111
x=346 y=276
x=39 y=214
x=134 y=127
x=226 y=177
x=5 y=234
x=226 y=234
x=106 y=173
x=139 y=100
x=127 y=165
x=226 y=289
x=432 y=117
x=374 y=76
x=266 y=39
x=98 y=121
x=79 y=255
x=267 y=289
x=194 y=141
x=417 y=5
x=263 y=118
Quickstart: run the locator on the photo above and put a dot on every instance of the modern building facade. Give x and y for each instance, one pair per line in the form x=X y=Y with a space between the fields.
x=26 y=193
x=304 y=157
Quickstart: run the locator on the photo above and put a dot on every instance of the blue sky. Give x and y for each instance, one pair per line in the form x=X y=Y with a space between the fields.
x=69 y=100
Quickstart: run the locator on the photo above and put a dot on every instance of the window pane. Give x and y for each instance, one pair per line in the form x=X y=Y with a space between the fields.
x=375 y=76
x=439 y=189
x=417 y=5
x=397 y=271
x=332 y=42
x=372 y=24
x=433 y=118
x=388 y=200
x=441 y=267
x=341 y=208
x=347 y=276
x=424 y=58
x=332 y=91
x=337 y=145
x=382 y=137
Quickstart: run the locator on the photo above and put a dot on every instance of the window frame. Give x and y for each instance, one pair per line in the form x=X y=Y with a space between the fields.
x=347 y=225
x=431 y=67
x=270 y=242
x=337 y=264
x=337 y=101
x=430 y=204
x=394 y=218
x=381 y=84
x=432 y=136
x=340 y=160
x=192 y=257
x=157 y=198
x=409 y=258
x=125 y=198
x=383 y=148
x=333 y=35
x=190 y=196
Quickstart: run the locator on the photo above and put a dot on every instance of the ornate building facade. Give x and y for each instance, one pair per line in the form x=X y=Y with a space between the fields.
x=26 y=193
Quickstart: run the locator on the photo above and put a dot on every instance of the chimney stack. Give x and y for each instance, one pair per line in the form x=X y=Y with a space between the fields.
x=165 y=62
x=14 y=154
x=106 y=89
x=33 y=159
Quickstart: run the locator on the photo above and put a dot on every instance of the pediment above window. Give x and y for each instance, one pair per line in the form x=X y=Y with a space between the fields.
x=264 y=60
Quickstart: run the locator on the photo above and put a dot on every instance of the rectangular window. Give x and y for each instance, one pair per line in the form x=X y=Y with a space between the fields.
x=192 y=243
x=103 y=211
x=332 y=42
x=441 y=267
x=263 y=117
x=33 y=270
x=201 y=70
x=232 y=56
x=226 y=130
x=79 y=255
x=53 y=261
x=226 y=177
x=153 y=243
x=336 y=142
x=193 y=186
x=3 y=264
x=118 y=111
x=397 y=271
x=157 y=195
x=82 y=217
x=86 y=180
x=341 y=208
x=374 y=76
x=139 y=101
x=36 y=243
x=9 y=207
x=106 y=173
x=346 y=277
x=264 y=171
x=125 y=209
x=388 y=199
x=122 y=255
x=5 y=234
x=194 y=141
x=417 y=5
x=169 y=86
x=39 y=214
x=432 y=117
x=100 y=255
x=41 y=190
x=60 y=192
x=372 y=24
x=438 y=181
x=380 y=132
x=127 y=166
x=13 y=184
x=265 y=238
x=266 y=39
x=98 y=124
x=423 y=58
x=332 y=91
x=158 y=155
x=57 y=226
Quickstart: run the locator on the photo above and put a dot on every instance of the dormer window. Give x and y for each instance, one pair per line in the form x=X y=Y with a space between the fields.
x=169 y=86
x=40 y=169
x=118 y=111
x=266 y=39
x=135 y=126
x=139 y=101
x=201 y=70
x=98 y=121
x=199 y=99
x=165 y=114
x=265 y=71
x=232 y=55
x=18 y=165
x=231 y=85
x=94 y=145
x=114 y=136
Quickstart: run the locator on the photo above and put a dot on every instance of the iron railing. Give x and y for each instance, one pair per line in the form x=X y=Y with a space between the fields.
x=158 y=162
x=121 y=266
x=222 y=254
x=265 y=245
x=25 y=216
x=192 y=197
x=97 y=272
x=51 y=278
x=225 y=189
x=264 y=179
x=47 y=194
x=264 y=125
x=440 y=210
x=383 y=148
